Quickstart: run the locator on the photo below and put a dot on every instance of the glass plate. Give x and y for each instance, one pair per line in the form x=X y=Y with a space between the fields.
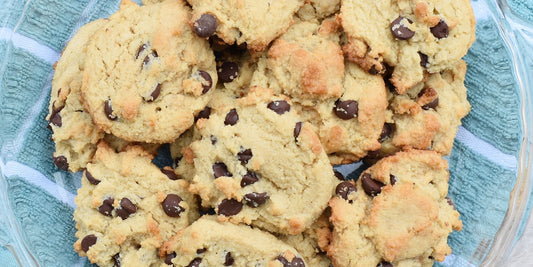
x=18 y=230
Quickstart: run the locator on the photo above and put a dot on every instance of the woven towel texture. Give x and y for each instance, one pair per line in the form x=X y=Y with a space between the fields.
x=45 y=215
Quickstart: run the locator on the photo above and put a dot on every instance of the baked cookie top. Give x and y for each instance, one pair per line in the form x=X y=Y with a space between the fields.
x=239 y=22
x=127 y=207
x=396 y=213
x=74 y=133
x=428 y=115
x=147 y=73
x=257 y=163
x=209 y=242
x=410 y=36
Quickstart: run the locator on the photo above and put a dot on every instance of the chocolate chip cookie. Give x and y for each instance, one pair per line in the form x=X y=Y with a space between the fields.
x=397 y=214
x=147 y=73
x=410 y=37
x=258 y=163
x=208 y=242
x=127 y=207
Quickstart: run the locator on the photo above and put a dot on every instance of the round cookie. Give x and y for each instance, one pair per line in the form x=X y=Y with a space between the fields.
x=428 y=115
x=208 y=242
x=243 y=21
x=147 y=73
x=257 y=163
x=74 y=133
x=311 y=243
x=396 y=213
x=127 y=207
x=409 y=36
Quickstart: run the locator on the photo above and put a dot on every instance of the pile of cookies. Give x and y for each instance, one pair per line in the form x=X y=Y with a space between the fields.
x=258 y=100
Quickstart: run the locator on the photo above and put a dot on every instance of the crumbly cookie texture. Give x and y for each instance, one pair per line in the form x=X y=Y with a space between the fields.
x=127 y=207
x=410 y=36
x=306 y=63
x=428 y=115
x=396 y=213
x=209 y=242
x=316 y=10
x=147 y=73
x=311 y=243
x=239 y=22
x=74 y=133
x=257 y=163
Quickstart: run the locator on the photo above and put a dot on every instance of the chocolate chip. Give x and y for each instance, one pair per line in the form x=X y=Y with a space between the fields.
x=204 y=114
x=386 y=132
x=339 y=175
x=170 y=174
x=213 y=140
x=231 y=118
x=393 y=179
x=279 y=106
x=140 y=50
x=91 y=178
x=205 y=26
x=229 y=259
x=201 y=250
x=297 y=130
x=148 y=58
x=169 y=258
x=344 y=190
x=126 y=208
x=207 y=82
x=245 y=155
x=229 y=207
x=228 y=71
x=61 y=162
x=400 y=30
x=385 y=264
x=431 y=105
x=451 y=203
x=195 y=263
x=220 y=169
x=171 y=205
x=372 y=187
x=55 y=117
x=108 y=109
x=87 y=242
x=346 y=109
x=296 y=262
x=107 y=206
x=373 y=70
x=440 y=30
x=155 y=93
x=116 y=260
x=255 y=199
x=249 y=178
x=423 y=60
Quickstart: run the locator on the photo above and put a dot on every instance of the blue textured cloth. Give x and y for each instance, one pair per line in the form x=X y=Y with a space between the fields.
x=39 y=205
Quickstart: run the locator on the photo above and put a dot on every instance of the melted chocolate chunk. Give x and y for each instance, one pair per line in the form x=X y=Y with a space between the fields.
x=229 y=207
x=431 y=105
x=255 y=200
x=346 y=109
x=155 y=93
x=91 y=178
x=386 y=132
x=371 y=186
x=245 y=155
x=423 y=60
x=171 y=205
x=140 y=50
x=61 y=162
x=108 y=109
x=400 y=30
x=204 y=114
x=126 y=208
x=296 y=261
x=228 y=71
x=220 y=169
x=107 y=206
x=339 y=175
x=170 y=174
x=169 y=258
x=229 y=259
x=297 y=130
x=385 y=264
x=344 y=190
x=393 y=179
x=207 y=82
x=441 y=30
x=249 y=178
x=116 y=260
x=205 y=26
x=231 y=118
x=55 y=117
x=195 y=263
x=279 y=106
x=87 y=242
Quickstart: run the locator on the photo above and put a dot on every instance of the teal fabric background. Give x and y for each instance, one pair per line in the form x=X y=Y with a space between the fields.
x=476 y=182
